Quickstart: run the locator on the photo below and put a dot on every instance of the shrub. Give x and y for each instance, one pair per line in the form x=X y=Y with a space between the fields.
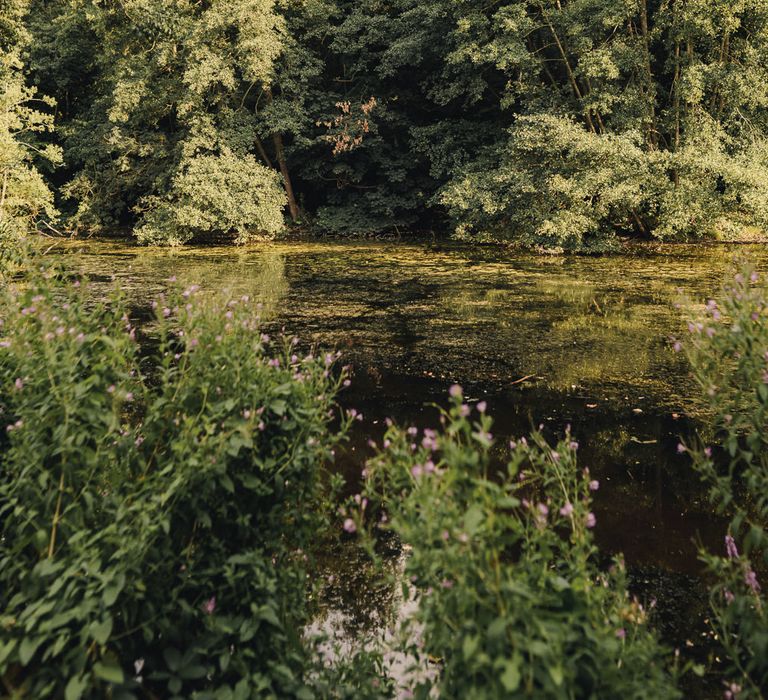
x=511 y=601
x=728 y=350
x=156 y=514
x=216 y=194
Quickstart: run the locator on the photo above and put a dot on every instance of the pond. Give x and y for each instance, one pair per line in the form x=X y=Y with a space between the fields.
x=544 y=340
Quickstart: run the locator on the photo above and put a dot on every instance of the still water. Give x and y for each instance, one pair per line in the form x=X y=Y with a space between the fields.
x=544 y=340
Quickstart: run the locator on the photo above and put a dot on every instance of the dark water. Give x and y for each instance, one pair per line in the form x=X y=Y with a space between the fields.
x=552 y=340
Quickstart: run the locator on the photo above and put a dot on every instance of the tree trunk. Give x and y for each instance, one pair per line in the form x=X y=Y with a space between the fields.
x=277 y=139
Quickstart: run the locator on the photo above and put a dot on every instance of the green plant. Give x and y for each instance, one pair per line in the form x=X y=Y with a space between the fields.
x=156 y=511
x=502 y=563
x=728 y=350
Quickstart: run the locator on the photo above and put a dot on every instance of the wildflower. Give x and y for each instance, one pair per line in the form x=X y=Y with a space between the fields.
x=274 y=362
x=753 y=277
x=138 y=441
x=228 y=315
x=210 y=605
x=129 y=396
x=621 y=633
x=413 y=431
x=246 y=414
x=566 y=510
x=19 y=384
x=463 y=538
x=543 y=509
x=594 y=485
x=482 y=406
x=138 y=665
x=80 y=337
x=417 y=470
x=463 y=410
x=729 y=597
x=555 y=456
x=591 y=520
x=573 y=445
x=445 y=535
x=708 y=451
x=751 y=580
x=680 y=448
x=349 y=526
x=111 y=389
x=455 y=391
x=730 y=547
x=5 y=344
x=261 y=426
x=446 y=583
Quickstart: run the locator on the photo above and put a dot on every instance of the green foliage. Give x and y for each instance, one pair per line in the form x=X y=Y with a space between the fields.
x=511 y=601
x=216 y=193
x=24 y=196
x=156 y=514
x=559 y=124
x=728 y=350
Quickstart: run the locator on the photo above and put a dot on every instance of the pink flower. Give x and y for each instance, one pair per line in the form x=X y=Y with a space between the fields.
x=19 y=384
x=566 y=510
x=621 y=633
x=591 y=520
x=730 y=547
x=349 y=526
x=751 y=580
x=542 y=508
x=594 y=485
x=482 y=406
x=463 y=410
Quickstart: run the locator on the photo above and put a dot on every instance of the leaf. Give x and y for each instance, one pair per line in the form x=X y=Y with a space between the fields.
x=172 y=658
x=469 y=646
x=510 y=678
x=27 y=649
x=556 y=673
x=101 y=631
x=108 y=670
x=472 y=519
x=75 y=687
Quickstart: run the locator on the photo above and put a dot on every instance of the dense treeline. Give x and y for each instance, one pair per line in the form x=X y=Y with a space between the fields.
x=559 y=123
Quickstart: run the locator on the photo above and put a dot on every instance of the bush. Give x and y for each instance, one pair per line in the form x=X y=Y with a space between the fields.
x=728 y=350
x=216 y=194
x=511 y=601
x=156 y=514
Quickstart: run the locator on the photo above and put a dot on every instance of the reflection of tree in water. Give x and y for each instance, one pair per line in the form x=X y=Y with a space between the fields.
x=143 y=273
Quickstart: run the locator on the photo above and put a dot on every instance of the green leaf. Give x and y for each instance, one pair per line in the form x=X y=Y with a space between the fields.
x=101 y=631
x=27 y=649
x=172 y=658
x=75 y=687
x=108 y=670
x=510 y=678
x=469 y=646
x=556 y=673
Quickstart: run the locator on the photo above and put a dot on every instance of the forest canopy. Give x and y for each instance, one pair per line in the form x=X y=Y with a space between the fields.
x=553 y=123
